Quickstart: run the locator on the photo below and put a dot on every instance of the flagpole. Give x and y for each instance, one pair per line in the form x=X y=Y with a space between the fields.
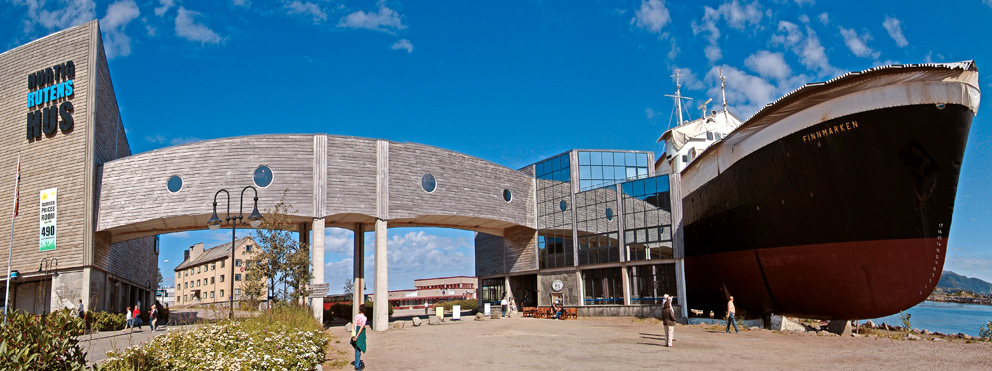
x=10 y=249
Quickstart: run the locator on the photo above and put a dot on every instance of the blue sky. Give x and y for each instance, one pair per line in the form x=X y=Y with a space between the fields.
x=510 y=82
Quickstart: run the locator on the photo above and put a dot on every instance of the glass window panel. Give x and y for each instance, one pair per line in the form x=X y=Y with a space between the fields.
x=596 y=158
x=539 y=169
x=642 y=171
x=583 y=158
x=618 y=158
x=639 y=188
x=556 y=163
x=607 y=158
x=608 y=173
x=642 y=159
x=597 y=172
x=650 y=186
x=663 y=183
x=630 y=158
x=585 y=184
x=640 y=236
x=564 y=160
x=631 y=172
x=628 y=188
x=565 y=175
x=585 y=172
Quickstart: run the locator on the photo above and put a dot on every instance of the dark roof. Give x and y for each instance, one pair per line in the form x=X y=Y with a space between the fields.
x=219 y=252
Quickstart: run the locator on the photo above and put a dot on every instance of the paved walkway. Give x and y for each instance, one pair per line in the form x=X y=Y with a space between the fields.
x=630 y=343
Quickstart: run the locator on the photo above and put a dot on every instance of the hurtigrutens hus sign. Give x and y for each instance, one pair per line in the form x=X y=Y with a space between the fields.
x=45 y=87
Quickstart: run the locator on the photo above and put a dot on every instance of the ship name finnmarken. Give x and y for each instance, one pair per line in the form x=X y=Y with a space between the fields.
x=850 y=125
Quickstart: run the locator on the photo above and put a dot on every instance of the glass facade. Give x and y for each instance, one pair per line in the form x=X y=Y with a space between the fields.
x=492 y=290
x=649 y=283
x=598 y=169
x=647 y=218
x=598 y=231
x=554 y=189
x=602 y=286
x=616 y=199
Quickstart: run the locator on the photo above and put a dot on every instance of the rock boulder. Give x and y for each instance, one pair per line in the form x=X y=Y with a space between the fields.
x=417 y=321
x=433 y=320
x=840 y=327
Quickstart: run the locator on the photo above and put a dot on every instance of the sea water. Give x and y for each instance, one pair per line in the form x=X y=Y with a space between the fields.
x=948 y=318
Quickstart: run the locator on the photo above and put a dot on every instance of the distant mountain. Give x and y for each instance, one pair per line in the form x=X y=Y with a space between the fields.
x=950 y=281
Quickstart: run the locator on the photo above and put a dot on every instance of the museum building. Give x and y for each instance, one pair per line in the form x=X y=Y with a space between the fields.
x=59 y=117
x=591 y=227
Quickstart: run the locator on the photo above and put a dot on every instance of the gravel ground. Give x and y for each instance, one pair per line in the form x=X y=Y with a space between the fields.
x=630 y=343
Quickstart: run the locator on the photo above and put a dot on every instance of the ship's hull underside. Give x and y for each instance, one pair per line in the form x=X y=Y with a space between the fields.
x=847 y=219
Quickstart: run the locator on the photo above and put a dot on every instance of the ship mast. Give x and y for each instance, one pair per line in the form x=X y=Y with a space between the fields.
x=723 y=91
x=678 y=96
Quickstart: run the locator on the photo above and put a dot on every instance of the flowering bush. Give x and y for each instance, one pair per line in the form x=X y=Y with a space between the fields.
x=269 y=342
x=47 y=342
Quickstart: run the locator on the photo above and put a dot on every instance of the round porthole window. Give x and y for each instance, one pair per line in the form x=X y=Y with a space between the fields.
x=175 y=183
x=507 y=196
x=563 y=205
x=609 y=214
x=263 y=176
x=428 y=183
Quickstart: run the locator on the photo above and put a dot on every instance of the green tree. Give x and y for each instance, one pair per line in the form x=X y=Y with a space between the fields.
x=282 y=258
x=349 y=286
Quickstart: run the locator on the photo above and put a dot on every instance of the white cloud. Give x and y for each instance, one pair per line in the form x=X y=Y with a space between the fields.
x=244 y=3
x=412 y=255
x=385 y=20
x=297 y=7
x=713 y=53
x=178 y=141
x=652 y=16
x=987 y=2
x=68 y=13
x=807 y=47
x=689 y=79
x=894 y=28
x=803 y=2
x=734 y=15
x=187 y=28
x=824 y=18
x=119 y=14
x=403 y=44
x=651 y=113
x=165 y=6
x=745 y=92
x=767 y=64
x=858 y=44
x=339 y=241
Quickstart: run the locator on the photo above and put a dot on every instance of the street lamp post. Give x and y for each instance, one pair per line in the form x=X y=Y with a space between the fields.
x=254 y=219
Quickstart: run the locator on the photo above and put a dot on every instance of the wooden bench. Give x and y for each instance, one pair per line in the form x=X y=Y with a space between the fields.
x=530 y=311
x=571 y=313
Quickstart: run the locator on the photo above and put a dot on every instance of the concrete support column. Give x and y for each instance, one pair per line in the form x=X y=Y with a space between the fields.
x=317 y=266
x=625 y=277
x=380 y=317
x=358 y=283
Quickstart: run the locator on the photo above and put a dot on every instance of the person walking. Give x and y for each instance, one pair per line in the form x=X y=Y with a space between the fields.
x=129 y=318
x=503 y=304
x=153 y=317
x=136 y=320
x=668 y=316
x=731 y=310
x=81 y=309
x=358 y=336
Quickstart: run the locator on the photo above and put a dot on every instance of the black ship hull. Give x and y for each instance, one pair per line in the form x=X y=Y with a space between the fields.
x=847 y=219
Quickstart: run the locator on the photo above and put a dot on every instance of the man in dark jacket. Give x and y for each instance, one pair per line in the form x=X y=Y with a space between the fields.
x=668 y=316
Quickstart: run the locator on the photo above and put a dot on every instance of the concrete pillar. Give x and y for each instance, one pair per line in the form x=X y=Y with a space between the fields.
x=380 y=317
x=358 y=282
x=625 y=277
x=317 y=266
